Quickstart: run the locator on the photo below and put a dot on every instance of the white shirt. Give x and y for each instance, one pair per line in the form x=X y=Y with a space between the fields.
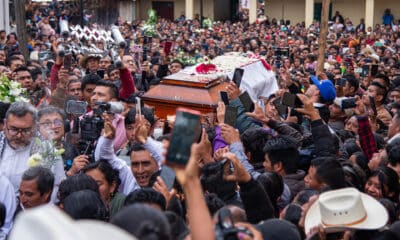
x=14 y=162
x=8 y=198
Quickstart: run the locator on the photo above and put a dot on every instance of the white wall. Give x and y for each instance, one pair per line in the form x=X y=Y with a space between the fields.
x=293 y=10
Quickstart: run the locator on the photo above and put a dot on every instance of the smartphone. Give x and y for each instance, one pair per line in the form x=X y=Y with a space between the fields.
x=348 y=103
x=167 y=47
x=365 y=71
x=374 y=69
x=67 y=62
x=230 y=115
x=247 y=101
x=373 y=106
x=101 y=73
x=186 y=130
x=282 y=109
x=76 y=107
x=139 y=107
x=136 y=48
x=224 y=97
x=291 y=100
x=278 y=64
x=237 y=76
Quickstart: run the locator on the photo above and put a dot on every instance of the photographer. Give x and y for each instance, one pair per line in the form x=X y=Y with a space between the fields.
x=106 y=92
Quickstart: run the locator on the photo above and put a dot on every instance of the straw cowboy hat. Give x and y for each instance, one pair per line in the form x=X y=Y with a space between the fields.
x=368 y=49
x=346 y=208
x=50 y=223
x=85 y=59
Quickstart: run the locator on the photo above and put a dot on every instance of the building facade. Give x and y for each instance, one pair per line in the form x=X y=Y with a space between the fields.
x=294 y=10
x=308 y=10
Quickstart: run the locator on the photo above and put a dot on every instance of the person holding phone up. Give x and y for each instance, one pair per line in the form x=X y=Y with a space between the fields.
x=374 y=99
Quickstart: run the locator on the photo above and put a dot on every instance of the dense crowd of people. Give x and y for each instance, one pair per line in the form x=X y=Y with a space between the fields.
x=324 y=166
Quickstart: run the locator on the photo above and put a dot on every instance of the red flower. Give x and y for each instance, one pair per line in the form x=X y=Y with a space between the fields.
x=206 y=68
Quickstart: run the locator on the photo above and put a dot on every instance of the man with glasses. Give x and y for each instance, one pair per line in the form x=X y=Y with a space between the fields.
x=17 y=143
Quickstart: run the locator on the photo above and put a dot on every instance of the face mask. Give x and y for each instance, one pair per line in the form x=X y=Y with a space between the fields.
x=158 y=132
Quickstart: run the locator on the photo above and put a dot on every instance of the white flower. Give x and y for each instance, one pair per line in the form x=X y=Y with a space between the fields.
x=15 y=85
x=6 y=99
x=59 y=152
x=34 y=160
x=15 y=91
x=21 y=99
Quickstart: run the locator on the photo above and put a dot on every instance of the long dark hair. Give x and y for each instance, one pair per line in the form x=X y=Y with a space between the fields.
x=111 y=175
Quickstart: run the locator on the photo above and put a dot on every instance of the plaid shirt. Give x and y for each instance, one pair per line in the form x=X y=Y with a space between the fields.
x=367 y=140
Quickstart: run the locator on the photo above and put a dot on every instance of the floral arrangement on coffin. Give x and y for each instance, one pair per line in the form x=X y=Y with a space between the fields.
x=11 y=91
x=46 y=154
x=206 y=68
x=149 y=28
x=188 y=60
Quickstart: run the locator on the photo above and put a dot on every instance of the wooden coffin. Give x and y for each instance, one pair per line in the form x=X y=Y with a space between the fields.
x=199 y=93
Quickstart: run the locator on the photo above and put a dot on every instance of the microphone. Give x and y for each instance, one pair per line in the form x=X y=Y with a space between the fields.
x=116 y=107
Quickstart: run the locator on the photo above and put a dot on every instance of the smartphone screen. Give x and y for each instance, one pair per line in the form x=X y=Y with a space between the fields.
x=67 y=62
x=247 y=102
x=237 y=76
x=224 y=97
x=374 y=69
x=282 y=109
x=167 y=47
x=186 y=130
x=139 y=107
x=373 y=106
x=76 y=107
x=230 y=115
x=100 y=72
x=291 y=100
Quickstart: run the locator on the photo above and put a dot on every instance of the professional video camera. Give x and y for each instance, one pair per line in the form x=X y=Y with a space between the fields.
x=90 y=126
x=225 y=229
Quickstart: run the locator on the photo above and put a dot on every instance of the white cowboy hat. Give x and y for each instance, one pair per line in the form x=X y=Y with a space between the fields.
x=346 y=208
x=50 y=223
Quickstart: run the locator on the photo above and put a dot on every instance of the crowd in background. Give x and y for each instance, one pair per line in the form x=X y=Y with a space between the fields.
x=326 y=167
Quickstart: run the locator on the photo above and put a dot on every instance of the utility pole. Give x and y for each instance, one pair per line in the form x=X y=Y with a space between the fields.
x=322 y=35
x=19 y=7
x=81 y=13
x=201 y=14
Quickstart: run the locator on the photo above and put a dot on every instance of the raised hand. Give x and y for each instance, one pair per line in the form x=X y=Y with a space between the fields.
x=239 y=173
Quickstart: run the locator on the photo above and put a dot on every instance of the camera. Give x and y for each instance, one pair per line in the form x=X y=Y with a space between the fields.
x=118 y=37
x=345 y=103
x=116 y=59
x=90 y=127
x=108 y=107
x=225 y=229
x=64 y=30
x=63 y=50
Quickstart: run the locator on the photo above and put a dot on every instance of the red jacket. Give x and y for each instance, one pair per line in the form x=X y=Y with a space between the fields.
x=127 y=84
x=54 y=76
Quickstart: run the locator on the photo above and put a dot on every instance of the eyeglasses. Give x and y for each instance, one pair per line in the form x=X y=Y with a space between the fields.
x=14 y=131
x=56 y=123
